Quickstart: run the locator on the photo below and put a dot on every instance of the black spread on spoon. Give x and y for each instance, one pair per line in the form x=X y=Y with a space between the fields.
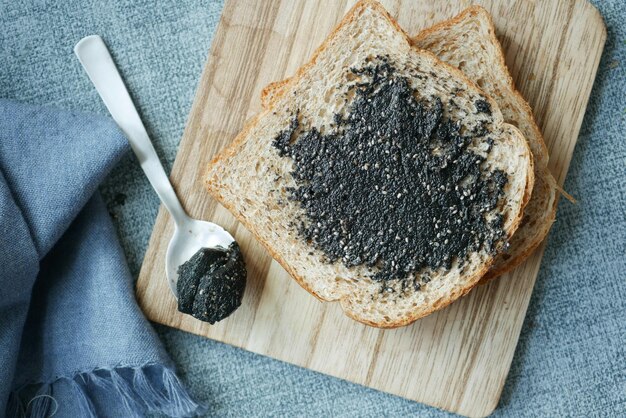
x=211 y=283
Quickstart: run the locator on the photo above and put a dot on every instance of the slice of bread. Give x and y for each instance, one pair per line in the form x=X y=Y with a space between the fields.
x=468 y=42
x=254 y=177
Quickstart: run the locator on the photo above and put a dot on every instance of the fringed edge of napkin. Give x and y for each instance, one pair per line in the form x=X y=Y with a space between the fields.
x=137 y=393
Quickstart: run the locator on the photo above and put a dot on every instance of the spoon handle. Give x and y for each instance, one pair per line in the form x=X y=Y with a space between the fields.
x=97 y=62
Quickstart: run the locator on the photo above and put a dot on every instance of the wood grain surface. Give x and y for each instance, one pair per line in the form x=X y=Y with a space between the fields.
x=456 y=359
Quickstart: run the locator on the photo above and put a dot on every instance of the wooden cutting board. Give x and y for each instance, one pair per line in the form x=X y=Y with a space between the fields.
x=456 y=359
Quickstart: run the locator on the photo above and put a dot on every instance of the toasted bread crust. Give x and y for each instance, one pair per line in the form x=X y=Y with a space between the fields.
x=273 y=88
x=214 y=188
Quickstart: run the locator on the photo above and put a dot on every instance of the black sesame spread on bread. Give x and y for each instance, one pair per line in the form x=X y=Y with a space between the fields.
x=393 y=174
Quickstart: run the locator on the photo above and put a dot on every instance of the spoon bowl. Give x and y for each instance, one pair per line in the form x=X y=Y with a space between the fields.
x=188 y=238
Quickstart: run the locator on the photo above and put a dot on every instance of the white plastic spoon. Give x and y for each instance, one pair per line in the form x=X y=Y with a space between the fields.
x=190 y=234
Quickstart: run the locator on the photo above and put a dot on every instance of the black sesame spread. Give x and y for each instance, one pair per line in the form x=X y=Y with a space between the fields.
x=482 y=106
x=211 y=283
x=393 y=184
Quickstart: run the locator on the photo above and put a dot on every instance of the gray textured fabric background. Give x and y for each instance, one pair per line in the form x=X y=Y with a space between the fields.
x=571 y=358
